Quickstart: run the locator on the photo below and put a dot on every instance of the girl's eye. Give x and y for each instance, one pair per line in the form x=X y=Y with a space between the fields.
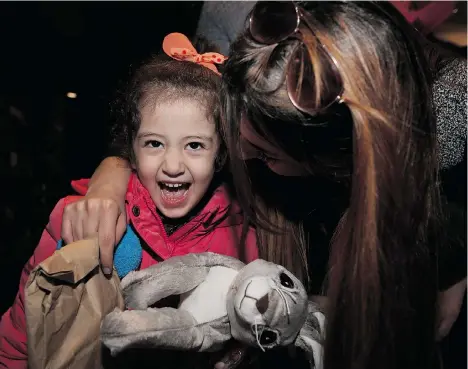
x=153 y=144
x=195 y=146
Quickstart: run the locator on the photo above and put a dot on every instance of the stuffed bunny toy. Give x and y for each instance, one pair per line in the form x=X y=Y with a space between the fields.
x=260 y=304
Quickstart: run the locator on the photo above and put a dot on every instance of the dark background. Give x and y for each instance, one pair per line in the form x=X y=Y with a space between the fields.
x=47 y=50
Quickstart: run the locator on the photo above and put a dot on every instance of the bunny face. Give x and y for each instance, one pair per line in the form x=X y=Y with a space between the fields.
x=267 y=305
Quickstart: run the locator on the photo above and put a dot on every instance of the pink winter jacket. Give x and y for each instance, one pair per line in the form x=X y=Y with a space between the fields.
x=217 y=228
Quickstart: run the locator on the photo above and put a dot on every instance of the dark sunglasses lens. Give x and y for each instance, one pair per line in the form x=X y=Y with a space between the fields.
x=273 y=21
x=306 y=93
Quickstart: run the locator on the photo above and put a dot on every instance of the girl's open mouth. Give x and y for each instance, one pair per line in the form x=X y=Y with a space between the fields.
x=174 y=194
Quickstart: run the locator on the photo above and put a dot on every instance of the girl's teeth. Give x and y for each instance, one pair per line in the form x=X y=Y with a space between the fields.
x=174 y=193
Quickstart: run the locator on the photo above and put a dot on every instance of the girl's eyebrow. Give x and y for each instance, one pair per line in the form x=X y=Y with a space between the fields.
x=147 y=134
x=192 y=137
x=200 y=137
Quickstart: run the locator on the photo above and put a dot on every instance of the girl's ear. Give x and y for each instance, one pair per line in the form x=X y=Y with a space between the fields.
x=132 y=163
x=132 y=160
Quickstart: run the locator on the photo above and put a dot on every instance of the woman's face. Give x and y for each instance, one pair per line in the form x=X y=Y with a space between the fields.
x=253 y=146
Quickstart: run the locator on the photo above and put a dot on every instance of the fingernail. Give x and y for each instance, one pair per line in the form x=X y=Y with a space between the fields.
x=107 y=271
x=220 y=365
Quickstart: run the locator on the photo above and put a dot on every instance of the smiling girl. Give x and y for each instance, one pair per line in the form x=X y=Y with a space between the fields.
x=176 y=202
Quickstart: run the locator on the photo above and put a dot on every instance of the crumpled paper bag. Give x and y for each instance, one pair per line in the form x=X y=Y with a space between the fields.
x=66 y=297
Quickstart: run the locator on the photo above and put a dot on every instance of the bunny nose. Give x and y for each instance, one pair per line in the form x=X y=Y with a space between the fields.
x=262 y=304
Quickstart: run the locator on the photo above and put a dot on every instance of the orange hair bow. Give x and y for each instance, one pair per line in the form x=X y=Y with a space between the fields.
x=179 y=47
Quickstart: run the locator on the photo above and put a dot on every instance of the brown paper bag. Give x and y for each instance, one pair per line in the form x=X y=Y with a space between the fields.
x=67 y=296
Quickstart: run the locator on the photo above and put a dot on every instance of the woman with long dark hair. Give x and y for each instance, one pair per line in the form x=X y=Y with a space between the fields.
x=338 y=93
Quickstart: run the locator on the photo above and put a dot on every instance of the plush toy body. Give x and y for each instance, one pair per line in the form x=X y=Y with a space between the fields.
x=216 y=284
x=261 y=304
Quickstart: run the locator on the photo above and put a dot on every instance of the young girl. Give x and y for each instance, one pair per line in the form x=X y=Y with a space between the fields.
x=175 y=201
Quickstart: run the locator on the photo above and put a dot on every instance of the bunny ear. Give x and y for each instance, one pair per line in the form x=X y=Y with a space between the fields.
x=174 y=276
x=312 y=335
x=177 y=43
x=171 y=277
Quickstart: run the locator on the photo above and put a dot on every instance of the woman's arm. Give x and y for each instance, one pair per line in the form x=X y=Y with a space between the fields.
x=452 y=257
x=102 y=210
x=111 y=176
x=449 y=102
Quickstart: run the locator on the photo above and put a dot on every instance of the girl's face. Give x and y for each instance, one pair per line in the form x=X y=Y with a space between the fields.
x=253 y=146
x=175 y=150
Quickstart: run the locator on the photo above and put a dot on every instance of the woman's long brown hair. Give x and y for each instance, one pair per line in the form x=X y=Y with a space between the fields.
x=382 y=280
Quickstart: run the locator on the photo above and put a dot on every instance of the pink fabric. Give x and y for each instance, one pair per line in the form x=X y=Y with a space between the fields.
x=13 y=348
x=428 y=15
x=196 y=236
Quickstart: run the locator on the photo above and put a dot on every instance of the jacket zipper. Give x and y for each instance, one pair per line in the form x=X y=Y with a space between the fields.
x=190 y=225
x=166 y=237
x=163 y=231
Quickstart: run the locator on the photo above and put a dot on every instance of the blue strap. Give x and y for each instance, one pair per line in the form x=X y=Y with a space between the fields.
x=128 y=253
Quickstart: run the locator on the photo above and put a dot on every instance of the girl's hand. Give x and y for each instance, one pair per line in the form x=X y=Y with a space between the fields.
x=449 y=305
x=96 y=214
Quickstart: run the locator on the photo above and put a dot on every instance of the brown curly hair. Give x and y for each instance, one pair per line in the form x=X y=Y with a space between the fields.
x=160 y=79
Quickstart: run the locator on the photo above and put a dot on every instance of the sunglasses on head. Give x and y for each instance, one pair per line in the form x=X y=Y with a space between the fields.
x=272 y=22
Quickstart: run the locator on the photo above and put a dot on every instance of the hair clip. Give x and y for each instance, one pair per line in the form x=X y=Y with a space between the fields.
x=179 y=47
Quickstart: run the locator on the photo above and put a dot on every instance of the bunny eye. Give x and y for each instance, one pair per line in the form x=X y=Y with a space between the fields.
x=286 y=281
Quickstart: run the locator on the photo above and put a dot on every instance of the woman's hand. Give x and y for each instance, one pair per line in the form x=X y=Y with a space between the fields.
x=449 y=305
x=93 y=215
x=102 y=211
